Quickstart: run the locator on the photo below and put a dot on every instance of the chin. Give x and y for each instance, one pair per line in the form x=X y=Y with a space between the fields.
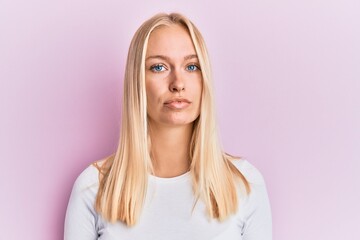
x=174 y=119
x=177 y=122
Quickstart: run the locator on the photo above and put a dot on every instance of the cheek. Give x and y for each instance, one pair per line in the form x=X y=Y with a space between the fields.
x=198 y=87
x=153 y=92
x=149 y=88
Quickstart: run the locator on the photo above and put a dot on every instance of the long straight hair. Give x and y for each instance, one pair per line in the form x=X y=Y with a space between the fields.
x=124 y=174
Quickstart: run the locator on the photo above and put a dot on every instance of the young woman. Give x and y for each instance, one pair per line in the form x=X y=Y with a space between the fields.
x=169 y=178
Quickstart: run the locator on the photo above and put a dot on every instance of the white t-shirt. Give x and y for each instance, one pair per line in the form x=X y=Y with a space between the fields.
x=167 y=213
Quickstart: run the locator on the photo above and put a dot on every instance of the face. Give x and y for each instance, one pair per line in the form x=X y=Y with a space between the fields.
x=173 y=77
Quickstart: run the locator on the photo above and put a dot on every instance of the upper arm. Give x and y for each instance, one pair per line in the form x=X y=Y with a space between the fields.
x=256 y=211
x=258 y=225
x=80 y=218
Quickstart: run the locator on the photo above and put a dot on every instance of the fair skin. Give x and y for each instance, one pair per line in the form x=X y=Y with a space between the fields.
x=172 y=70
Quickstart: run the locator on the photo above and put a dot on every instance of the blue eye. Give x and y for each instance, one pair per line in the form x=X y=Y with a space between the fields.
x=158 y=68
x=192 y=67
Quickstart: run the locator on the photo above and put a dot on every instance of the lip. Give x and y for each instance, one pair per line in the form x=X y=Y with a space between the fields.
x=177 y=103
x=177 y=100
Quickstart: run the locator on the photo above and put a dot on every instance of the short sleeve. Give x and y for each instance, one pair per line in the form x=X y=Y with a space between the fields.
x=257 y=211
x=80 y=218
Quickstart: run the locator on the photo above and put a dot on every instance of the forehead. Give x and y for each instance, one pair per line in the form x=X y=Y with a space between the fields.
x=170 y=40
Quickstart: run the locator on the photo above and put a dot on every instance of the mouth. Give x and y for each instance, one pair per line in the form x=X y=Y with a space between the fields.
x=179 y=100
x=177 y=104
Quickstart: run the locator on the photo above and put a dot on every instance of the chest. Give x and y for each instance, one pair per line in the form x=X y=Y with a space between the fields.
x=170 y=213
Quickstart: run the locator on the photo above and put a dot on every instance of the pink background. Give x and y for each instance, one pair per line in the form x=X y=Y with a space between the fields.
x=287 y=77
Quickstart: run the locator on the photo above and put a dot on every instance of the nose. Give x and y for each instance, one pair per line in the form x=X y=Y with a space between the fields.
x=177 y=83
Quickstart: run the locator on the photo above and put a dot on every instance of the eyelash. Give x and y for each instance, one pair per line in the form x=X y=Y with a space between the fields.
x=152 y=68
x=155 y=66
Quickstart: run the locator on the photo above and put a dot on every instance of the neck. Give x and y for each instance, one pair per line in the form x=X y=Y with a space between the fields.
x=170 y=149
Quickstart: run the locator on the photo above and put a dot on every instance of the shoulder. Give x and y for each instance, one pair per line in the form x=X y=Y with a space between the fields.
x=250 y=172
x=87 y=179
x=91 y=174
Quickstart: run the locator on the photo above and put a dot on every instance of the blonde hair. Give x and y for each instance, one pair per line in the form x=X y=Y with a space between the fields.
x=124 y=175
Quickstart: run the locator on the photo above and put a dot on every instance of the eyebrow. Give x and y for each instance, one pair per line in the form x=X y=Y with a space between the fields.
x=191 y=56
